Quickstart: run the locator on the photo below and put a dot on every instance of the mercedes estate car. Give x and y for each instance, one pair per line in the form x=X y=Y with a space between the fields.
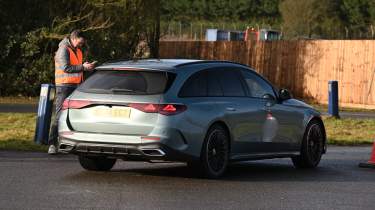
x=205 y=113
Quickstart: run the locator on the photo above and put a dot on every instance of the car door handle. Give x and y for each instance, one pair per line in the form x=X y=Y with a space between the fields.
x=268 y=104
x=231 y=109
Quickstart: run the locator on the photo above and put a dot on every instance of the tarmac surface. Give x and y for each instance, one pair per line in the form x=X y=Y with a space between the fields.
x=37 y=181
x=19 y=108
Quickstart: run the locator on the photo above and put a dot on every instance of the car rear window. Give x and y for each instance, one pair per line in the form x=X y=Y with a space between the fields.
x=128 y=82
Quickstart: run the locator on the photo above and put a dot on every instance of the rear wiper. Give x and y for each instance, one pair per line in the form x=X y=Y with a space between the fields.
x=94 y=90
x=121 y=90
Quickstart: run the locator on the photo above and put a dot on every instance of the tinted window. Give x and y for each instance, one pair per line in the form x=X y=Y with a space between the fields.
x=128 y=82
x=213 y=84
x=195 y=86
x=256 y=85
x=231 y=83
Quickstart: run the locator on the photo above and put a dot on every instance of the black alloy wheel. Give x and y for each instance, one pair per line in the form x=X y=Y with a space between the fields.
x=215 y=152
x=312 y=147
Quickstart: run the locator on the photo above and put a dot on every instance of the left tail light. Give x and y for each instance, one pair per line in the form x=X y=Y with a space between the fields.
x=164 y=109
x=75 y=104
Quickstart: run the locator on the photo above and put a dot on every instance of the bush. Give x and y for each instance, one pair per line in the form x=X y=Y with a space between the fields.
x=31 y=31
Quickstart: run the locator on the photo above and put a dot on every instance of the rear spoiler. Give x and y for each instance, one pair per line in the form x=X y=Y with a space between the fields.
x=132 y=68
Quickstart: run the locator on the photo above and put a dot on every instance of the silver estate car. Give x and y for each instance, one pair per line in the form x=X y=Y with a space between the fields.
x=204 y=113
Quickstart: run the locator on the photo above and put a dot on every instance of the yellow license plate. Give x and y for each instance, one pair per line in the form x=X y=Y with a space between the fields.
x=121 y=112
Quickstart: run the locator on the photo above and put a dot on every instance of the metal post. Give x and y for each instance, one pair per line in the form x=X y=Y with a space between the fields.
x=43 y=122
x=333 y=99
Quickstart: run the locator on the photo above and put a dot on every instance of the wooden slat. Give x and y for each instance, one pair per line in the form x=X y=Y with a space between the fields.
x=303 y=66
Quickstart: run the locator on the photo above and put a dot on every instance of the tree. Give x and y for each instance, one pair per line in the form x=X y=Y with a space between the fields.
x=357 y=16
x=220 y=10
x=31 y=31
x=309 y=18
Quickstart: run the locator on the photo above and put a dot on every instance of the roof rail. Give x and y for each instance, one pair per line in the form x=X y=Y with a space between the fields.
x=209 y=61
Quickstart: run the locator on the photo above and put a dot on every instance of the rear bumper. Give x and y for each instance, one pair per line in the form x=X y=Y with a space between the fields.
x=136 y=152
x=164 y=142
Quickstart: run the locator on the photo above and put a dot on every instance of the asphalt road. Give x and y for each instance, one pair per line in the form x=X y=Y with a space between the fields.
x=38 y=181
x=20 y=108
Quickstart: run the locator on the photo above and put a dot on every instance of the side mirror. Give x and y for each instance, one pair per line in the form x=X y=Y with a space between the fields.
x=284 y=94
x=269 y=97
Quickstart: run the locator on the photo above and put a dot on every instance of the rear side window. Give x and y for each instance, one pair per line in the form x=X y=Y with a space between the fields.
x=128 y=82
x=195 y=86
x=231 y=83
x=213 y=84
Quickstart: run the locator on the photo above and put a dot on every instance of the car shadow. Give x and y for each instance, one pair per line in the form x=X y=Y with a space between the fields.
x=252 y=171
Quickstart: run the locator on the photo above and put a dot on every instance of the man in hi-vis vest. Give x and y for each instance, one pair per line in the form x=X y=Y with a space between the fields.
x=69 y=69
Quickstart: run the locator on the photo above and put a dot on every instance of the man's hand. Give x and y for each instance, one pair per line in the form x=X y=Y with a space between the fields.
x=88 y=66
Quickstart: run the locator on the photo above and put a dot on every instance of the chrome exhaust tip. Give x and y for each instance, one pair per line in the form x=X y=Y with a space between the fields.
x=153 y=152
x=65 y=148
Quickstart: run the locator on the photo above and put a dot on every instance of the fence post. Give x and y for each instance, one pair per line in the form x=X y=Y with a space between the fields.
x=201 y=34
x=191 y=30
x=180 y=30
x=333 y=99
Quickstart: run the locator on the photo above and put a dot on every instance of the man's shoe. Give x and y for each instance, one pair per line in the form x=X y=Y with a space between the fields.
x=52 y=150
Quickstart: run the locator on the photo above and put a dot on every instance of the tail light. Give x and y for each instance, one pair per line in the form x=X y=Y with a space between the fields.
x=75 y=104
x=164 y=109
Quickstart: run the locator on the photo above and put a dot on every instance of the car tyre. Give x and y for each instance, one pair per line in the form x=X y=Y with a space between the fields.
x=215 y=152
x=96 y=163
x=312 y=147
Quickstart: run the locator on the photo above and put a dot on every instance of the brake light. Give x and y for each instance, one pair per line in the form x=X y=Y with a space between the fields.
x=154 y=138
x=75 y=104
x=148 y=108
x=172 y=109
x=151 y=108
x=169 y=108
x=65 y=104
x=164 y=109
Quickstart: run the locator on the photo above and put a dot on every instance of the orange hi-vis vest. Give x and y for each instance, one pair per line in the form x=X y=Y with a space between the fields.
x=61 y=77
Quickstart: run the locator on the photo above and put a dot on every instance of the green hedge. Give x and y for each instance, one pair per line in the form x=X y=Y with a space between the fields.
x=31 y=31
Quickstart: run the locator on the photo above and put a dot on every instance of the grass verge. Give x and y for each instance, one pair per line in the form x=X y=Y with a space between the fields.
x=17 y=131
x=19 y=100
x=324 y=108
x=349 y=131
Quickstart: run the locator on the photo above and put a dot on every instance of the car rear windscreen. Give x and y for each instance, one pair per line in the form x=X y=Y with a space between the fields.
x=128 y=82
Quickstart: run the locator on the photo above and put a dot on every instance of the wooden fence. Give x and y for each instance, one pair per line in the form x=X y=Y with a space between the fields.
x=304 y=67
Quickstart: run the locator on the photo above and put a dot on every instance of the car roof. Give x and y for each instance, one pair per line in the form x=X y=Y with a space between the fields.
x=156 y=64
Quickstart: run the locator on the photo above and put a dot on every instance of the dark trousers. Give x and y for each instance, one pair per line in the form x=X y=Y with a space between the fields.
x=62 y=92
